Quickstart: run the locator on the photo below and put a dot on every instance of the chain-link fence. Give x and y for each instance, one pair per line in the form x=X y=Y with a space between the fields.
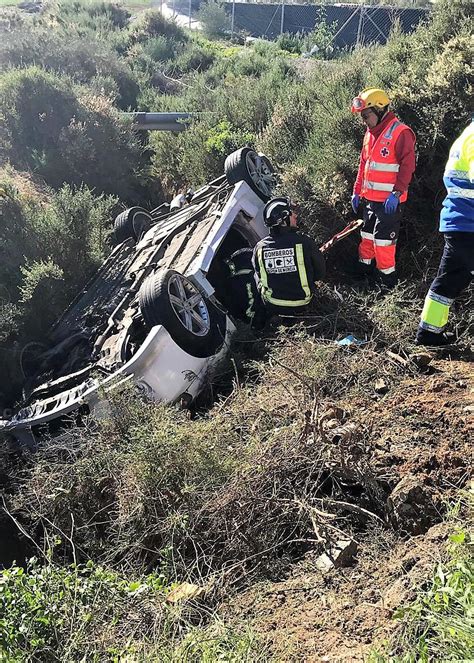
x=348 y=25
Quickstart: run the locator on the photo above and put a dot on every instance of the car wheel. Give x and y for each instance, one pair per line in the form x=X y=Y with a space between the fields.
x=170 y=299
x=255 y=169
x=131 y=224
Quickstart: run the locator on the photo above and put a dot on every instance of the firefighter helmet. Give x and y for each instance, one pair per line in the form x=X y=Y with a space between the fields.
x=277 y=212
x=371 y=97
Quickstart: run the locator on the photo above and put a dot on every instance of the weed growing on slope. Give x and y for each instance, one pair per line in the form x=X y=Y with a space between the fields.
x=88 y=612
x=438 y=625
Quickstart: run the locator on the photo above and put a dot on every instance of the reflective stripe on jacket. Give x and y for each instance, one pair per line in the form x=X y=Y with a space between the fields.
x=457 y=214
x=267 y=275
x=287 y=263
x=381 y=165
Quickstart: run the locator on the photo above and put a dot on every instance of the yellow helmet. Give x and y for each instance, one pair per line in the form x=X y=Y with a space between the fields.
x=371 y=97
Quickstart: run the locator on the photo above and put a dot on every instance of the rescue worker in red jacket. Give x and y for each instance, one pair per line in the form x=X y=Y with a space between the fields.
x=387 y=163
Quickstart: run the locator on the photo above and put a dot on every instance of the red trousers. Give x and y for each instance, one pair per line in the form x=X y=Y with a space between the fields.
x=379 y=236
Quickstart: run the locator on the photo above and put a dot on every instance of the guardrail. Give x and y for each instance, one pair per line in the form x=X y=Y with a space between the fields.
x=160 y=121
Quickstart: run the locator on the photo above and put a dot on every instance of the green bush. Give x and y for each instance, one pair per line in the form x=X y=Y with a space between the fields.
x=152 y=23
x=214 y=18
x=194 y=58
x=197 y=155
x=77 y=45
x=94 y=14
x=73 y=49
x=322 y=35
x=38 y=280
x=73 y=230
x=222 y=94
x=104 y=86
x=9 y=320
x=50 y=243
x=53 y=613
x=49 y=129
x=159 y=49
x=292 y=43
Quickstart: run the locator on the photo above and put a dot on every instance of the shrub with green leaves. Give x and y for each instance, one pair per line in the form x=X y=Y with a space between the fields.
x=82 y=40
x=214 y=18
x=50 y=243
x=54 y=613
x=322 y=35
x=151 y=24
x=82 y=57
x=94 y=14
x=225 y=96
x=293 y=43
x=197 y=155
x=68 y=230
x=65 y=136
x=89 y=612
x=439 y=624
x=196 y=57
x=9 y=319
x=39 y=277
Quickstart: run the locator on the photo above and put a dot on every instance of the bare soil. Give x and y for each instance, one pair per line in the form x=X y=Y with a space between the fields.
x=419 y=432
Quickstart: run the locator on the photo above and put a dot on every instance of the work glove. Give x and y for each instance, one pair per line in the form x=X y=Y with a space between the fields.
x=391 y=204
x=355 y=200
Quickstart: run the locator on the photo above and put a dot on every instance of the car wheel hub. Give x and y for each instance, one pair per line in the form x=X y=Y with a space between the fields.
x=188 y=305
x=260 y=173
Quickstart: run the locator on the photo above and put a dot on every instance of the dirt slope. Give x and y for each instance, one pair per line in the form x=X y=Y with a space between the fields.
x=420 y=434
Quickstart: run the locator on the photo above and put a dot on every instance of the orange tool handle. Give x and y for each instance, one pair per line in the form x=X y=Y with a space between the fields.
x=353 y=225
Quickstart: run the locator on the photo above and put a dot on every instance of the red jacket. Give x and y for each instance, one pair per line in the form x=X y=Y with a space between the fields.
x=404 y=151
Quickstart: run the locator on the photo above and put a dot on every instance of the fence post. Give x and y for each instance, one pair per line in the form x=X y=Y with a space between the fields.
x=282 y=23
x=189 y=14
x=359 y=27
x=233 y=18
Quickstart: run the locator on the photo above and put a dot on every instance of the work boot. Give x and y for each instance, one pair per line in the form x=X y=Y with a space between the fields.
x=429 y=338
x=387 y=281
x=359 y=271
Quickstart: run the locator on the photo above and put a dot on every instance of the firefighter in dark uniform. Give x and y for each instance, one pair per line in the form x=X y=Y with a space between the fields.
x=287 y=263
x=242 y=292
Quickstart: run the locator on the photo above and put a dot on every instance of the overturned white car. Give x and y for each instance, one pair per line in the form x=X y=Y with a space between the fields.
x=154 y=311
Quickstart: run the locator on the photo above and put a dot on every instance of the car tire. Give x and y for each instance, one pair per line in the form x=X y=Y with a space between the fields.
x=132 y=223
x=195 y=324
x=255 y=169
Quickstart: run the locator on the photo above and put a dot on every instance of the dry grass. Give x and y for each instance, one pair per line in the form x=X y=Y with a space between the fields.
x=282 y=464
x=241 y=484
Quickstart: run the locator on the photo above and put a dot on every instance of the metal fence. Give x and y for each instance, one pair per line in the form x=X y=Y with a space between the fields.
x=351 y=25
